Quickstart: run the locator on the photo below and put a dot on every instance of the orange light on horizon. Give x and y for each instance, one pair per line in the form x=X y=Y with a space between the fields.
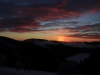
x=61 y=38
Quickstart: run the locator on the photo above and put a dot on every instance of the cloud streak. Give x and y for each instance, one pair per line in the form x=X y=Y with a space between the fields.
x=87 y=31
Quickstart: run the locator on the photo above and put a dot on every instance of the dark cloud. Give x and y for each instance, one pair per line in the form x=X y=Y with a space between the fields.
x=64 y=9
x=33 y=2
x=48 y=9
x=18 y=15
x=47 y=13
x=24 y=30
x=18 y=24
x=7 y=10
x=84 y=5
x=40 y=9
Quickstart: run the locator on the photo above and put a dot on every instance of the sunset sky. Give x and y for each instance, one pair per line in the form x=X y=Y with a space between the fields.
x=61 y=20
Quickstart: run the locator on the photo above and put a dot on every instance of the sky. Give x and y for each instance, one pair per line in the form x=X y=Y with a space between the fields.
x=61 y=20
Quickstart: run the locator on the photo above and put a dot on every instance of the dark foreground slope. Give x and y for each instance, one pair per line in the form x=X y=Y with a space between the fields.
x=91 y=65
x=39 y=54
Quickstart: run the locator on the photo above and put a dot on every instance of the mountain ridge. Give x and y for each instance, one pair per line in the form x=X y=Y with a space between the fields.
x=44 y=41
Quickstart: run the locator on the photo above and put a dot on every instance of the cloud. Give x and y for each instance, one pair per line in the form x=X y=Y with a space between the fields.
x=48 y=13
x=87 y=31
x=87 y=36
x=85 y=5
x=18 y=24
x=64 y=9
x=7 y=10
x=18 y=15
x=24 y=30
x=61 y=25
x=48 y=9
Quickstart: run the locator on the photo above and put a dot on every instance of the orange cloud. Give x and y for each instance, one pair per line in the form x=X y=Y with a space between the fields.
x=49 y=13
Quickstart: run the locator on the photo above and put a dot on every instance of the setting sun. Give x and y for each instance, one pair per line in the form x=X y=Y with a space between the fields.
x=61 y=38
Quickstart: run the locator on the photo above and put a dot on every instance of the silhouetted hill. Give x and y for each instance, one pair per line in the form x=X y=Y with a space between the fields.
x=39 y=53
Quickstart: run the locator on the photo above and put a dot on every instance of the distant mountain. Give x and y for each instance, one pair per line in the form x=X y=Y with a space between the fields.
x=45 y=43
x=39 y=53
x=9 y=42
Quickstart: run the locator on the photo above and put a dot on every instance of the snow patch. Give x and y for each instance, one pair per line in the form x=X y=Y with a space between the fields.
x=79 y=57
x=44 y=43
x=39 y=43
x=81 y=45
x=13 y=71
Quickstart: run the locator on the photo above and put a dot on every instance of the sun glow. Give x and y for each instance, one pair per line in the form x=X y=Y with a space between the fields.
x=61 y=38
